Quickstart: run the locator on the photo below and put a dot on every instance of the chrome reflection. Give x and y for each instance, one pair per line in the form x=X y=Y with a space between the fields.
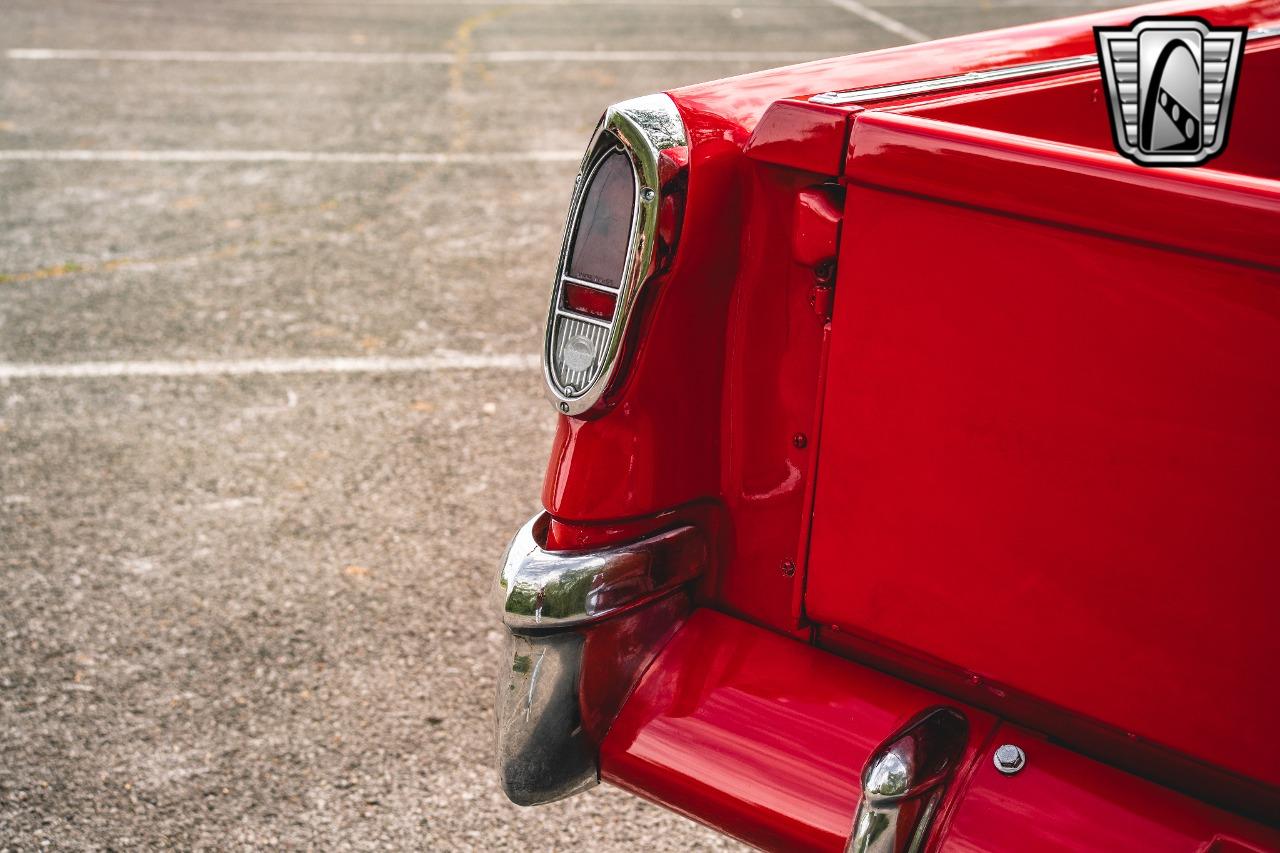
x=550 y=603
x=903 y=783
x=956 y=81
x=544 y=753
x=561 y=589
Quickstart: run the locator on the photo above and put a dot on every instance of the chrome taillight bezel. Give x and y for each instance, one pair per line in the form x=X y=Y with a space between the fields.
x=642 y=128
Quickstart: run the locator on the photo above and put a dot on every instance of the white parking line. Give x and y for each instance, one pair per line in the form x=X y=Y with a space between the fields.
x=413 y=58
x=180 y=155
x=880 y=19
x=650 y=4
x=269 y=366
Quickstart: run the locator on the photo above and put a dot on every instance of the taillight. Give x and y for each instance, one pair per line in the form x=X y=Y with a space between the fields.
x=585 y=299
x=621 y=230
x=602 y=234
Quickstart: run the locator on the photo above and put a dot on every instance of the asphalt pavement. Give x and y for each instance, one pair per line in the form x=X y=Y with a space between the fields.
x=244 y=575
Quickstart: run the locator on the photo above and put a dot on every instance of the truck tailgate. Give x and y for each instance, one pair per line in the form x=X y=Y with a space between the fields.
x=1050 y=455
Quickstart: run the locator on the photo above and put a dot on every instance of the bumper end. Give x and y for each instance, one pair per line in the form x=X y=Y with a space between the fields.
x=581 y=628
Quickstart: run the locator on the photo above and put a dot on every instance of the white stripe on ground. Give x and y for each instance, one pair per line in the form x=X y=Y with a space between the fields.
x=646 y=56
x=880 y=19
x=412 y=58
x=231 y=156
x=416 y=4
x=272 y=366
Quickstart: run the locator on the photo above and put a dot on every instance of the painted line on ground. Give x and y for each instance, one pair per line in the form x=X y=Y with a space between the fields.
x=415 y=4
x=410 y=57
x=232 y=156
x=880 y=19
x=269 y=366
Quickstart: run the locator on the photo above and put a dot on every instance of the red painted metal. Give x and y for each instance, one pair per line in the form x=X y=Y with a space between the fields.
x=724 y=377
x=724 y=370
x=942 y=152
x=801 y=135
x=815 y=233
x=1046 y=463
x=564 y=536
x=616 y=653
x=1189 y=210
x=1049 y=466
x=1102 y=743
x=739 y=103
x=1061 y=801
x=764 y=738
x=772 y=356
x=760 y=736
x=1069 y=110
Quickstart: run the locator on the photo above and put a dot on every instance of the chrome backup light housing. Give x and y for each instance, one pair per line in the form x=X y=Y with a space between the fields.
x=642 y=128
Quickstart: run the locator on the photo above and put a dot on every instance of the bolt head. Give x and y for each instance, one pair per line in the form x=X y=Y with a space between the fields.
x=788 y=568
x=800 y=440
x=564 y=407
x=647 y=194
x=1009 y=759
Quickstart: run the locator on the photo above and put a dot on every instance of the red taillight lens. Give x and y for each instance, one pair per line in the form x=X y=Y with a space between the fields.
x=587 y=300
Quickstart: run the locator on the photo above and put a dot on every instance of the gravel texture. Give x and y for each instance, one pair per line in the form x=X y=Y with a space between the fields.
x=253 y=611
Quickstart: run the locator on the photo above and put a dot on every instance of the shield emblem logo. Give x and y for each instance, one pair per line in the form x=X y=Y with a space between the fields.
x=1170 y=85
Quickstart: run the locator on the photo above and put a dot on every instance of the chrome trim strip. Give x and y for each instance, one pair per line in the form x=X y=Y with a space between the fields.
x=939 y=84
x=551 y=601
x=978 y=78
x=581 y=282
x=643 y=128
x=585 y=318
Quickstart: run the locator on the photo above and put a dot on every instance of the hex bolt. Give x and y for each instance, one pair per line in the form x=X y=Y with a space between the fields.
x=1009 y=759
x=800 y=440
x=647 y=194
x=788 y=568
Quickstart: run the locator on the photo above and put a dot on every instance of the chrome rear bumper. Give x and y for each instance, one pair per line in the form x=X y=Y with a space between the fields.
x=551 y=603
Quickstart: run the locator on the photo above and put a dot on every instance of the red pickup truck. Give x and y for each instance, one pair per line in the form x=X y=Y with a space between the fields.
x=917 y=478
